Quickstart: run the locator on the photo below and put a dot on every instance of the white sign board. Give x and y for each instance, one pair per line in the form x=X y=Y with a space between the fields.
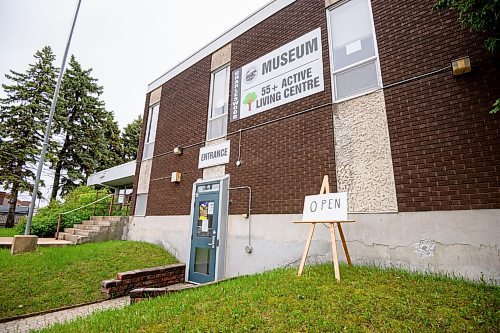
x=214 y=155
x=325 y=207
x=284 y=75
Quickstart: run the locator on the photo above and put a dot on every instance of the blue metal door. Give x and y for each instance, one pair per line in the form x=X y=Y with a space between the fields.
x=204 y=237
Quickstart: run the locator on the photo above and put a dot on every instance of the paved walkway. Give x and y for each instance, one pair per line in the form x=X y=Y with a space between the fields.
x=41 y=321
x=6 y=242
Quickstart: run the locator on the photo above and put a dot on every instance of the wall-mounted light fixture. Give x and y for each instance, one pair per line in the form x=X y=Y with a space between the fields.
x=176 y=177
x=178 y=150
x=461 y=66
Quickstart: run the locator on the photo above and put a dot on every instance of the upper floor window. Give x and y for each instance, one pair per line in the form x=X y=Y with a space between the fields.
x=149 y=138
x=353 y=48
x=217 y=113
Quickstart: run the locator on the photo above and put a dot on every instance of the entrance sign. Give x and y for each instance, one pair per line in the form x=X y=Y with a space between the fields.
x=214 y=155
x=284 y=75
x=325 y=207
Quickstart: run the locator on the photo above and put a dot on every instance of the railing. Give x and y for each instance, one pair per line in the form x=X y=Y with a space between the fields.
x=112 y=207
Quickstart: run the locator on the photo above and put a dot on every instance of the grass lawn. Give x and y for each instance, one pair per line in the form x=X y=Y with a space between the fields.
x=367 y=299
x=54 y=277
x=8 y=232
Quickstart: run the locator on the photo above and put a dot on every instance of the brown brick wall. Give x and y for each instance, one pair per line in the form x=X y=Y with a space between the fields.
x=445 y=145
x=281 y=162
x=182 y=120
x=285 y=160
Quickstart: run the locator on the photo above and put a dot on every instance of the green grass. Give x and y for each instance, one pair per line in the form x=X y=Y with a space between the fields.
x=8 y=232
x=54 y=277
x=367 y=300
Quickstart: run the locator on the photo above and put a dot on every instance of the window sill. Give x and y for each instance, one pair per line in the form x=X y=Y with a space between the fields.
x=357 y=95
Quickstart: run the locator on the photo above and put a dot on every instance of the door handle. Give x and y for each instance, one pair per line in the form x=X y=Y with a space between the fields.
x=213 y=242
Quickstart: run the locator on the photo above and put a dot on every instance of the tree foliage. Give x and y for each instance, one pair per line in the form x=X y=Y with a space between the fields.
x=88 y=135
x=23 y=115
x=478 y=16
x=130 y=139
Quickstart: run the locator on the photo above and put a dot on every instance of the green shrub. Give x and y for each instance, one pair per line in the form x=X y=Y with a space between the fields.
x=44 y=223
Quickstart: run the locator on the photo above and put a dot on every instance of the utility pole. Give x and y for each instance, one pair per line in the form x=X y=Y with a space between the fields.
x=49 y=125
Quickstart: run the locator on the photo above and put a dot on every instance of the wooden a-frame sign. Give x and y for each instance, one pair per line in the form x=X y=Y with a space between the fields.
x=325 y=188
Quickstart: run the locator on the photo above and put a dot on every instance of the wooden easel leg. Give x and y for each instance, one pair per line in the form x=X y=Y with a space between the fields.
x=306 y=250
x=344 y=245
x=334 y=253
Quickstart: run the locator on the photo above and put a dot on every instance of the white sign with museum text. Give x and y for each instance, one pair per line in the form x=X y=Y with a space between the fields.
x=325 y=207
x=214 y=155
x=284 y=75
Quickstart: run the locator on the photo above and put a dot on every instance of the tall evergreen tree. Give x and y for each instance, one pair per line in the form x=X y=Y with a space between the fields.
x=78 y=124
x=111 y=156
x=130 y=139
x=23 y=116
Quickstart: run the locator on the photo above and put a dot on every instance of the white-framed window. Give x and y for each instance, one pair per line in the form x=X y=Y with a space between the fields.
x=149 y=138
x=141 y=201
x=218 y=108
x=353 y=49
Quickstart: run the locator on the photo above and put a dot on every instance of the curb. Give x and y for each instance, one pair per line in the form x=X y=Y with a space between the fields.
x=34 y=314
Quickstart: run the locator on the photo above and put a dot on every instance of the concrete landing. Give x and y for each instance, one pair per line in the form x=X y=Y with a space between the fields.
x=6 y=242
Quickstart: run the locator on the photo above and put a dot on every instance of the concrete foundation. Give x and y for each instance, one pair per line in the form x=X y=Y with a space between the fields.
x=23 y=243
x=457 y=243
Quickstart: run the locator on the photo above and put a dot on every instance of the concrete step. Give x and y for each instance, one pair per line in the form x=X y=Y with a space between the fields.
x=106 y=218
x=98 y=223
x=75 y=239
x=69 y=230
x=93 y=227
x=87 y=233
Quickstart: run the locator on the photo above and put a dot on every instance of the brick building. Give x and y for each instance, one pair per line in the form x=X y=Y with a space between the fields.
x=252 y=122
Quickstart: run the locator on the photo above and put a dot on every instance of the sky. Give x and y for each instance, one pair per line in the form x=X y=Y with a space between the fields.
x=128 y=44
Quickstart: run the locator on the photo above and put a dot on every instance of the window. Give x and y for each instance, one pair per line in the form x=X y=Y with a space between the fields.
x=141 y=201
x=353 y=49
x=217 y=113
x=149 y=139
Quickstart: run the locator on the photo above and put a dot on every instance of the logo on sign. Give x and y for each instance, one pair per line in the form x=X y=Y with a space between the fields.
x=251 y=74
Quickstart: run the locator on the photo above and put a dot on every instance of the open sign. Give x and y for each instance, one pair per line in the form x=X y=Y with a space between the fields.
x=325 y=207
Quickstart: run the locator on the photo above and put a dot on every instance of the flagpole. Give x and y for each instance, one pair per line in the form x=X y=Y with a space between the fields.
x=49 y=125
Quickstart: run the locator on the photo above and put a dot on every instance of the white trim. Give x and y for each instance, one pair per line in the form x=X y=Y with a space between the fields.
x=375 y=58
x=237 y=30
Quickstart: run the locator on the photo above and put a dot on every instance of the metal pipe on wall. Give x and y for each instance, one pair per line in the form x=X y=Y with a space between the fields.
x=248 y=248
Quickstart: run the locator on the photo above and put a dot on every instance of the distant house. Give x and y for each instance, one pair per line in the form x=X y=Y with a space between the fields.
x=22 y=208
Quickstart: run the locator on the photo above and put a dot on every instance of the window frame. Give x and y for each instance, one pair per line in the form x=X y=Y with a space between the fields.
x=148 y=129
x=334 y=72
x=226 y=93
x=145 y=205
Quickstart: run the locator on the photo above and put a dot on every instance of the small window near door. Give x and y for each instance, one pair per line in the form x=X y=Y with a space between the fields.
x=217 y=113
x=353 y=48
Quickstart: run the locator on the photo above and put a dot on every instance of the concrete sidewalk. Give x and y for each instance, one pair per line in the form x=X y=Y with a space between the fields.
x=41 y=321
x=6 y=242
